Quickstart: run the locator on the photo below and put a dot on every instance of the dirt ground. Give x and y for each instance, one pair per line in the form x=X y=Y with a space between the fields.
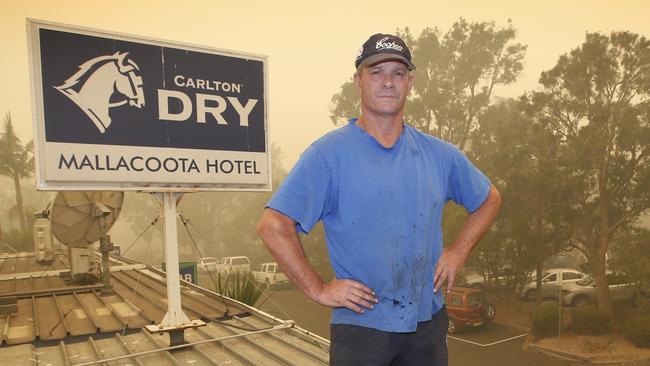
x=513 y=311
x=597 y=348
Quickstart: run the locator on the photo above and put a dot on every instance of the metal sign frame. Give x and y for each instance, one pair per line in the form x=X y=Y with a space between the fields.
x=96 y=180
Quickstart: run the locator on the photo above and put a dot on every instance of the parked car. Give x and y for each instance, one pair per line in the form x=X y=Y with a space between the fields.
x=620 y=289
x=271 y=273
x=208 y=264
x=473 y=280
x=551 y=282
x=468 y=307
x=233 y=264
x=476 y=280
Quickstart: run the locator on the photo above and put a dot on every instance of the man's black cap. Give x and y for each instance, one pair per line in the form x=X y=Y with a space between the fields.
x=383 y=47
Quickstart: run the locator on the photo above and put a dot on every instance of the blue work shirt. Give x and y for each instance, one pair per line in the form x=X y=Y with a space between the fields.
x=382 y=212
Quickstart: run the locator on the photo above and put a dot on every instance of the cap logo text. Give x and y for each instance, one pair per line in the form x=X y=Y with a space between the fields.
x=382 y=44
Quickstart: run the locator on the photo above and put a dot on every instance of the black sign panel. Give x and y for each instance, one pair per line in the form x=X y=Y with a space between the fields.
x=208 y=81
x=114 y=111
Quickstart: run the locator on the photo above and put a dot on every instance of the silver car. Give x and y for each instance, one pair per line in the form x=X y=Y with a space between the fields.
x=585 y=292
x=551 y=282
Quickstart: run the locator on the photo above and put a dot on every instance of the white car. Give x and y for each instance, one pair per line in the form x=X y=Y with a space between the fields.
x=234 y=264
x=551 y=282
x=270 y=272
x=208 y=264
x=474 y=280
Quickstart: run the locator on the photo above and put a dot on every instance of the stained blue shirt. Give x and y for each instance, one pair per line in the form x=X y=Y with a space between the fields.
x=382 y=212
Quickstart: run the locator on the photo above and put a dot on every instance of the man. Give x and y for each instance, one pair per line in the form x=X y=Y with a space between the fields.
x=379 y=187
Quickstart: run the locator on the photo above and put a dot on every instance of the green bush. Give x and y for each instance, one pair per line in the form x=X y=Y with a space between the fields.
x=589 y=321
x=545 y=319
x=240 y=286
x=637 y=330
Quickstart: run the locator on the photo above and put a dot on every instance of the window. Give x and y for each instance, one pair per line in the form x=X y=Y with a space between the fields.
x=551 y=278
x=476 y=299
x=455 y=300
x=239 y=261
x=571 y=276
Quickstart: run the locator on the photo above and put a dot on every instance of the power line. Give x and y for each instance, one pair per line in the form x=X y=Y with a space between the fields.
x=186 y=221
x=214 y=282
x=153 y=222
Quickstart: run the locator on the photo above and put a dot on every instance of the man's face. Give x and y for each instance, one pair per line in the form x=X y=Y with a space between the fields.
x=383 y=87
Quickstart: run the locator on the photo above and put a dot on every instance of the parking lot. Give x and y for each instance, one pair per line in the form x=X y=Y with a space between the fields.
x=489 y=334
x=491 y=344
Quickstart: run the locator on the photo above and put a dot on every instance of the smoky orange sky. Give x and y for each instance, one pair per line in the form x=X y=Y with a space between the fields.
x=311 y=45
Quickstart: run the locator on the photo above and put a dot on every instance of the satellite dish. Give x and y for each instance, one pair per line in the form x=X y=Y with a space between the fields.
x=77 y=216
x=80 y=218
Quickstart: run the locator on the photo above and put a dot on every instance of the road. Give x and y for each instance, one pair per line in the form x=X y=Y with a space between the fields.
x=493 y=344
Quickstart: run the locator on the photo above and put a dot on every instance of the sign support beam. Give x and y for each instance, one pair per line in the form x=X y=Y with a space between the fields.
x=175 y=320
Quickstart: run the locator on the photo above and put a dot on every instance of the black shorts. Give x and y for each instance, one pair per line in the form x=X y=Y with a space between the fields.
x=359 y=346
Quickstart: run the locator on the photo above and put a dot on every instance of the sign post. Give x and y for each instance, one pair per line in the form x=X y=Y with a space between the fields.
x=175 y=320
x=120 y=112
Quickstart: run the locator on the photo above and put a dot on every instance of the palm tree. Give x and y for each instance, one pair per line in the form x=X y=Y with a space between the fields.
x=16 y=162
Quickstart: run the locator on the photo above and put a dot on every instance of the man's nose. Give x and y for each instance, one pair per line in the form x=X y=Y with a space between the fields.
x=387 y=81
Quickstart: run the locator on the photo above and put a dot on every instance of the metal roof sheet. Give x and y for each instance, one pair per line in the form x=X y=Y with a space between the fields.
x=61 y=323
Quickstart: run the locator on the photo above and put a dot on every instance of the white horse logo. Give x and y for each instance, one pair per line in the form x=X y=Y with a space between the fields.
x=92 y=86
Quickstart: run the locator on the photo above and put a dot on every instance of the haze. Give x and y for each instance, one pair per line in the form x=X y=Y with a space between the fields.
x=311 y=46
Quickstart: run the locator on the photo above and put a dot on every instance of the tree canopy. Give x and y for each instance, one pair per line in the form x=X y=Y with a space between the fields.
x=454 y=80
x=16 y=162
x=596 y=100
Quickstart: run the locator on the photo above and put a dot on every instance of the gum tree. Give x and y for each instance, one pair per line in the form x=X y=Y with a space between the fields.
x=597 y=102
x=456 y=75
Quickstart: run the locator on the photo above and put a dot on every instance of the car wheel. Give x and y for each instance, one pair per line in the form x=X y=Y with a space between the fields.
x=451 y=328
x=488 y=312
x=531 y=294
x=581 y=300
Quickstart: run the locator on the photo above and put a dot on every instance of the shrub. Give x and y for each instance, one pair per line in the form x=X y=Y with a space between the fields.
x=545 y=319
x=240 y=286
x=637 y=330
x=588 y=320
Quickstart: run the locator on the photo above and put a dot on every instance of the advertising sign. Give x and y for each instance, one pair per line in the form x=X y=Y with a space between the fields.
x=121 y=112
x=186 y=271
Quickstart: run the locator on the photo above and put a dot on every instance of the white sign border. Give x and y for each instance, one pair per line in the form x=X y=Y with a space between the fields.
x=38 y=118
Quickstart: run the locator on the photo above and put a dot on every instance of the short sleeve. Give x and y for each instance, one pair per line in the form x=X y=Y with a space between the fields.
x=304 y=193
x=467 y=186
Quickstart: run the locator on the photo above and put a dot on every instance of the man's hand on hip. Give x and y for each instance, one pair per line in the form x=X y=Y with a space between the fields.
x=476 y=224
x=447 y=268
x=348 y=294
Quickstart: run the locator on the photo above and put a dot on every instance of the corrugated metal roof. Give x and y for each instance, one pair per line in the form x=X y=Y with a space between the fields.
x=60 y=323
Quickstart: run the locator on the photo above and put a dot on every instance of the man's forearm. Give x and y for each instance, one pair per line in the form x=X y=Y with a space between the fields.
x=281 y=238
x=477 y=224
